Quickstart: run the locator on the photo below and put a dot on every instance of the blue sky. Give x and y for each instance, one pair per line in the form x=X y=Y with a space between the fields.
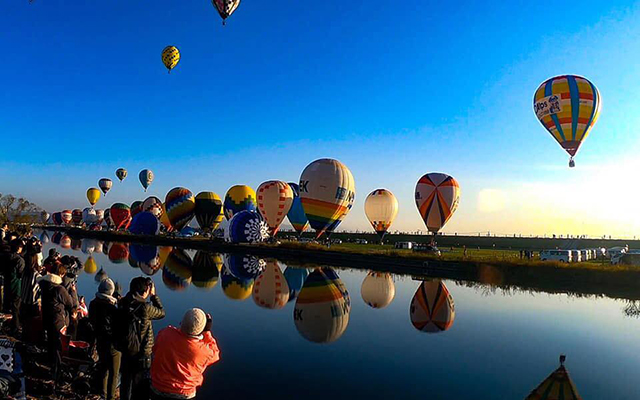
x=393 y=92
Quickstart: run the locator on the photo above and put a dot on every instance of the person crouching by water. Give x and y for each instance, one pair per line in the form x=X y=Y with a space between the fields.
x=180 y=357
x=102 y=314
x=57 y=307
x=136 y=337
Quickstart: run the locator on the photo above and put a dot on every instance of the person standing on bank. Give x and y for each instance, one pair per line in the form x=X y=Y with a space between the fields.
x=136 y=314
x=12 y=272
x=102 y=314
x=180 y=357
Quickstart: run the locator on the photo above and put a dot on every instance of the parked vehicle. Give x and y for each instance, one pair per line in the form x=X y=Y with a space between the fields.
x=426 y=248
x=631 y=257
x=361 y=241
x=575 y=256
x=556 y=255
x=585 y=255
x=404 y=245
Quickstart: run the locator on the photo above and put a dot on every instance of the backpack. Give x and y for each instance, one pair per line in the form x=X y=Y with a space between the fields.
x=130 y=335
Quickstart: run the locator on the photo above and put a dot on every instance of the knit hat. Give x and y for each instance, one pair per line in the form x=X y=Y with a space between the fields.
x=106 y=287
x=193 y=322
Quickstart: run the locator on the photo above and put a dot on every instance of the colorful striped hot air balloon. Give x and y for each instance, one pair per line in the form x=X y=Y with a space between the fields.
x=239 y=198
x=209 y=212
x=377 y=289
x=66 y=217
x=381 y=208
x=120 y=215
x=105 y=185
x=234 y=288
x=56 y=218
x=153 y=205
x=93 y=195
x=274 y=202
x=327 y=190
x=271 y=289
x=568 y=106
x=432 y=309
x=206 y=269
x=297 y=217
x=180 y=205
x=177 y=272
x=437 y=198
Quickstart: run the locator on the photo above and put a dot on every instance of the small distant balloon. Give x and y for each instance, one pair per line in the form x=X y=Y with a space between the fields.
x=105 y=185
x=121 y=174
x=93 y=195
x=170 y=57
x=146 y=177
x=225 y=8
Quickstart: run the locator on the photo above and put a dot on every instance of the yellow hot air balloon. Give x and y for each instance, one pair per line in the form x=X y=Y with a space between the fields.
x=567 y=106
x=377 y=289
x=90 y=266
x=170 y=57
x=93 y=195
x=274 y=202
x=271 y=289
x=381 y=208
x=327 y=191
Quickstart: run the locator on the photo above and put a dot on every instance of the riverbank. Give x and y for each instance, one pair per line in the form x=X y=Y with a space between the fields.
x=501 y=269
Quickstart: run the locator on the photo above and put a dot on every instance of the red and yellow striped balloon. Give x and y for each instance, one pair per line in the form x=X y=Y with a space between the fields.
x=437 y=198
x=432 y=309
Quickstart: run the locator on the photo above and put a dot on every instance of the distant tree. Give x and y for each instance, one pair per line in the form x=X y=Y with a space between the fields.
x=19 y=210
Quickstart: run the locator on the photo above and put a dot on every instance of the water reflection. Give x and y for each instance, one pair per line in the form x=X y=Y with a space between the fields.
x=295 y=280
x=271 y=289
x=558 y=385
x=432 y=309
x=234 y=288
x=118 y=253
x=178 y=270
x=322 y=309
x=206 y=269
x=377 y=289
x=90 y=265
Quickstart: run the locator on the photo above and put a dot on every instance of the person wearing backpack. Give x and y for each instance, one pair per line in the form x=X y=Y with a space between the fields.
x=102 y=315
x=137 y=309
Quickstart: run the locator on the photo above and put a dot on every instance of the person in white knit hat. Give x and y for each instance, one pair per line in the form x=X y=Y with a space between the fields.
x=192 y=348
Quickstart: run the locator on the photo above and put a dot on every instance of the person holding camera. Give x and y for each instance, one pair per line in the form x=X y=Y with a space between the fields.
x=136 y=311
x=181 y=355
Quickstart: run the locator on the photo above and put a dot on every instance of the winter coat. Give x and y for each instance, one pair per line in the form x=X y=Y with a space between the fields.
x=102 y=314
x=57 y=304
x=12 y=271
x=30 y=289
x=179 y=361
x=146 y=312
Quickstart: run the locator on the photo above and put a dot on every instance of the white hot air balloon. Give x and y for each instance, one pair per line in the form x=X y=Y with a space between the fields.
x=274 y=202
x=377 y=289
x=381 y=208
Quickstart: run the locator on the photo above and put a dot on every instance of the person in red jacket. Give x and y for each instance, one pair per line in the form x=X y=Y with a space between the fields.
x=180 y=357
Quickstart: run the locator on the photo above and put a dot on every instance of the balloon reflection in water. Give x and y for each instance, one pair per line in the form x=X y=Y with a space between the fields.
x=558 y=385
x=90 y=266
x=295 y=279
x=65 y=242
x=321 y=314
x=88 y=246
x=432 y=309
x=244 y=266
x=44 y=237
x=118 y=253
x=206 y=269
x=377 y=289
x=234 y=288
x=145 y=257
x=76 y=244
x=105 y=248
x=177 y=271
x=56 y=238
x=271 y=289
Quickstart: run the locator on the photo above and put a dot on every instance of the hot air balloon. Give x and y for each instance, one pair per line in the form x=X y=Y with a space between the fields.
x=558 y=385
x=136 y=207
x=274 y=202
x=121 y=173
x=170 y=57
x=118 y=253
x=76 y=217
x=270 y=289
x=567 y=106
x=247 y=227
x=180 y=205
x=89 y=216
x=208 y=211
x=332 y=275
x=66 y=217
x=65 y=242
x=99 y=216
x=98 y=246
x=296 y=215
x=234 y=288
x=45 y=216
x=90 y=266
x=327 y=189
x=56 y=238
x=206 y=269
x=93 y=195
x=225 y=8
x=295 y=280
x=321 y=314
x=153 y=205
x=107 y=218
x=377 y=289
x=143 y=254
x=76 y=243
x=432 y=309
x=44 y=237
x=144 y=223
x=120 y=215
x=56 y=218
x=146 y=177
x=177 y=272
x=244 y=266
x=381 y=208
x=437 y=198
x=164 y=219
x=105 y=185
x=239 y=198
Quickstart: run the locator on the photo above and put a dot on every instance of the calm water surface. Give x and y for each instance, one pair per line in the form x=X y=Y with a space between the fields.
x=498 y=345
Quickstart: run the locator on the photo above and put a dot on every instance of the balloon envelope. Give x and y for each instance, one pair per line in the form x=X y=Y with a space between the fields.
x=274 y=202
x=89 y=216
x=76 y=216
x=153 y=205
x=93 y=195
x=432 y=309
x=118 y=253
x=327 y=191
x=225 y=7
x=209 y=212
x=247 y=227
x=121 y=173
x=437 y=197
x=239 y=198
x=295 y=280
x=177 y=271
x=381 y=208
x=234 y=288
x=56 y=218
x=180 y=205
x=244 y=266
x=297 y=217
x=120 y=215
x=377 y=289
x=136 y=207
x=270 y=289
x=568 y=106
x=105 y=185
x=144 y=223
x=206 y=269
x=146 y=177
x=170 y=57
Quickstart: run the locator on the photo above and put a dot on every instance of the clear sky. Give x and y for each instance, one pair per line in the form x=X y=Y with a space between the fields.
x=392 y=90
